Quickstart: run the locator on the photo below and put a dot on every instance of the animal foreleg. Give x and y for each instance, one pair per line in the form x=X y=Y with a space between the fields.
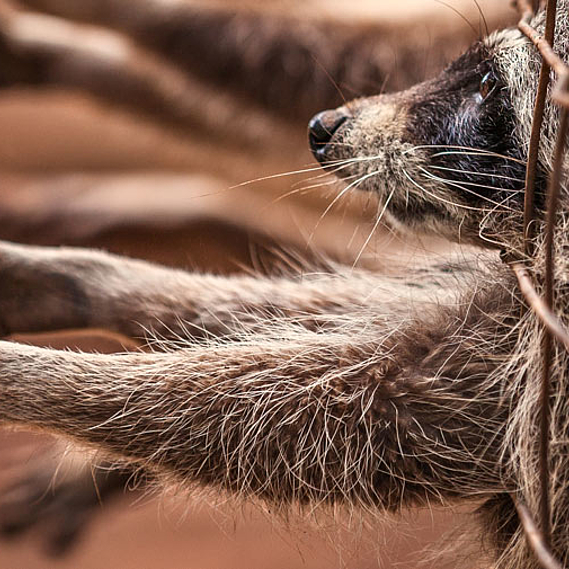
x=44 y=288
x=316 y=418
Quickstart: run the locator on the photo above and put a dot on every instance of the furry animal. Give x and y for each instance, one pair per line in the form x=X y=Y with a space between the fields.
x=358 y=389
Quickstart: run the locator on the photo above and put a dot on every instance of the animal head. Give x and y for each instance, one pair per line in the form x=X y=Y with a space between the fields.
x=448 y=156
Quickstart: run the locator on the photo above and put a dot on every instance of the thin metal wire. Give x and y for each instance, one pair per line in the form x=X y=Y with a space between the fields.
x=544 y=46
x=539 y=539
x=553 y=201
x=535 y=537
x=548 y=317
x=533 y=154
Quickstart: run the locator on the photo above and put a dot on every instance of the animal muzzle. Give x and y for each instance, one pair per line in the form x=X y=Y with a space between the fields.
x=321 y=129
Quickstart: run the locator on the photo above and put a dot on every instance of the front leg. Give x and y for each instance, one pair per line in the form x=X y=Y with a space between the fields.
x=374 y=416
x=44 y=289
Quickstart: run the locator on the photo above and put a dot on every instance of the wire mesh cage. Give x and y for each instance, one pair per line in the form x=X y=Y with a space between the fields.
x=538 y=534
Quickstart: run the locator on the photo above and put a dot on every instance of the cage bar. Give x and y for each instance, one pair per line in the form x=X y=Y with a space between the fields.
x=554 y=330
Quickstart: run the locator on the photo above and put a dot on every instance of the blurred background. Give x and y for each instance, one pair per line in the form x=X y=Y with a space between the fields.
x=175 y=131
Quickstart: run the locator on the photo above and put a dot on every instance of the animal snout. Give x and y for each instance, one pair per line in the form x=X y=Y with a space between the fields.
x=321 y=129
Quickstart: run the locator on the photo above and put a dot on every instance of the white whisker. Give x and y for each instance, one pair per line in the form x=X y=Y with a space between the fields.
x=336 y=199
x=301 y=191
x=374 y=228
x=477 y=153
x=462 y=150
x=461 y=187
x=483 y=174
x=438 y=198
x=324 y=184
x=339 y=163
x=482 y=225
x=311 y=178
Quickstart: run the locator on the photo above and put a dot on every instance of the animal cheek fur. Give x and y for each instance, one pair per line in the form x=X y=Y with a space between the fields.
x=379 y=123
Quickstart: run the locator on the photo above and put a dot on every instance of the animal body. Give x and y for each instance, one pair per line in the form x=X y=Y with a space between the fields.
x=346 y=388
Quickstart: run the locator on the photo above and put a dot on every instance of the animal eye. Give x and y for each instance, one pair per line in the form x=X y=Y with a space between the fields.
x=487 y=85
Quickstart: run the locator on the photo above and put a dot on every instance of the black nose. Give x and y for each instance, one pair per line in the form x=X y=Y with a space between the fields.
x=321 y=129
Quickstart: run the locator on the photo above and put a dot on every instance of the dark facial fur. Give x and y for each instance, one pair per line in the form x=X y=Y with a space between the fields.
x=468 y=106
x=442 y=155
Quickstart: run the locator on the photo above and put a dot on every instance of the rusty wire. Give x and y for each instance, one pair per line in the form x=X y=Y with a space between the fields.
x=547 y=316
x=535 y=537
x=539 y=537
x=527 y=10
